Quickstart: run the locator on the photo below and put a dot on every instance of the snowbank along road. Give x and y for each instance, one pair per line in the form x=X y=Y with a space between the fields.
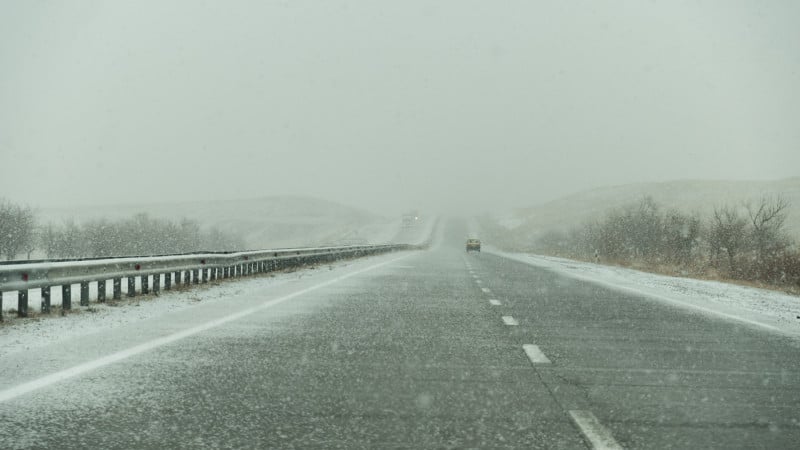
x=416 y=350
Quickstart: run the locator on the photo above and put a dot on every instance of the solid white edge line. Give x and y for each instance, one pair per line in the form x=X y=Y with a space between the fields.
x=24 y=388
x=510 y=321
x=494 y=302
x=535 y=354
x=598 y=436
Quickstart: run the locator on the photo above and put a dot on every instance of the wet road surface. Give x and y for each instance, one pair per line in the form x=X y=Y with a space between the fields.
x=436 y=349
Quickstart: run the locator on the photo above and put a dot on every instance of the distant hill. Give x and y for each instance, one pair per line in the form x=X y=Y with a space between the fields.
x=267 y=222
x=686 y=195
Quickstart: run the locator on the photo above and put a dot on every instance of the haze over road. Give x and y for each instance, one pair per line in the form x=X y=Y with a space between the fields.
x=418 y=350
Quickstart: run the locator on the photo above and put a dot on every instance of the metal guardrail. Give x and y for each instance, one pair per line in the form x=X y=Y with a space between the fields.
x=183 y=269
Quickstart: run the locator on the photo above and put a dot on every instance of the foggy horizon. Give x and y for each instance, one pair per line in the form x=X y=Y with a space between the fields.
x=452 y=107
x=396 y=211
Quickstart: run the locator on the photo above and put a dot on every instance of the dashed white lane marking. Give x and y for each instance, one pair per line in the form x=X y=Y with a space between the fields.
x=534 y=354
x=494 y=302
x=486 y=290
x=478 y=281
x=598 y=436
x=74 y=371
x=510 y=321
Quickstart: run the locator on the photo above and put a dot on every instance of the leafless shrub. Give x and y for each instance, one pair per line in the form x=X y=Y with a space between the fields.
x=139 y=235
x=17 y=225
x=745 y=243
x=727 y=234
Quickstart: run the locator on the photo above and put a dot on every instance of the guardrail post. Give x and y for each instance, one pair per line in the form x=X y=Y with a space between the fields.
x=168 y=281
x=145 y=284
x=22 y=303
x=45 y=300
x=156 y=283
x=66 y=296
x=117 y=288
x=131 y=286
x=101 y=291
x=84 y=293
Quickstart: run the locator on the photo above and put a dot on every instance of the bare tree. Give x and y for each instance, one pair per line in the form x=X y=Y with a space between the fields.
x=680 y=236
x=767 y=218
x=17 y=229
x=727 y=233
x=48 y=240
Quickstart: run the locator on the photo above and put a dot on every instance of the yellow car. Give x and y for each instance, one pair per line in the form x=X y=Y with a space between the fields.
x=474 y=244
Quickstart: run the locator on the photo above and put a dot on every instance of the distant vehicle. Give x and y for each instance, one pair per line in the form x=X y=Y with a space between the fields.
x=410 y=219
x=473 y=244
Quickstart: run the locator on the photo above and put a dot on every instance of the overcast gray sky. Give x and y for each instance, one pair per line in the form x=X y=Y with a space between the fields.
x=389 y=105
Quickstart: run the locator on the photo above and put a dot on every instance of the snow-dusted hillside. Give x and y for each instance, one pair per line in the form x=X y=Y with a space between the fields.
x=267 y=222
x=685 y=195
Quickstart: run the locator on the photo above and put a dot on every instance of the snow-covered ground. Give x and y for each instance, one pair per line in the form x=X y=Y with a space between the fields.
x=376 y=233
x=765 y=309
x=22 y=335
x=212 y=300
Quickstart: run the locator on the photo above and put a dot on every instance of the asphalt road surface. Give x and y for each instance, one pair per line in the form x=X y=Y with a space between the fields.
x=434 y=349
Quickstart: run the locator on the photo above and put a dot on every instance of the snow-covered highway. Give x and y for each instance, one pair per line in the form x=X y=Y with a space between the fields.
x=413 y=350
